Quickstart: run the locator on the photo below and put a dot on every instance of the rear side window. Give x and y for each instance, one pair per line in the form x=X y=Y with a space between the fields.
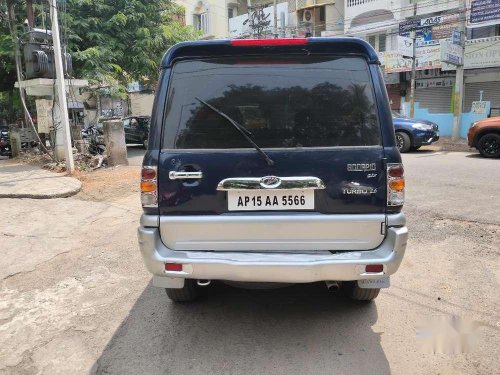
x=309 y=101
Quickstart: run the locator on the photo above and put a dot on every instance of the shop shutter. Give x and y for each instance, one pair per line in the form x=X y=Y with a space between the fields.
x=435 y=99
x=491 y=92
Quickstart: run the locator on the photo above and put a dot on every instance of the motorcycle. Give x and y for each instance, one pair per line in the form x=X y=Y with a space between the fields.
x=94 y=139
x=5 y=149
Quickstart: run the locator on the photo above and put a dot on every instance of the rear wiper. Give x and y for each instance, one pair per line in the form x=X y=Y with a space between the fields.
x=244 y=132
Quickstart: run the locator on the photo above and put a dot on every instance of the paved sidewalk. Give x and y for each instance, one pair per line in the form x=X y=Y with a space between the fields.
x=28 y=181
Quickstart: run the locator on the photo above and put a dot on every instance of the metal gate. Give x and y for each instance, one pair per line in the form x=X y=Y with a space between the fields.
x=491 y=92
x=435 y=99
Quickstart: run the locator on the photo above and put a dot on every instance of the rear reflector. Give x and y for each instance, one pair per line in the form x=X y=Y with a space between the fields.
x=173 y=267
x=268 y=42
x=374 y=268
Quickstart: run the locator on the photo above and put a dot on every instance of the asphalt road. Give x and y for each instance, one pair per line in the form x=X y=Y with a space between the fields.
x=75 y=297
x=135 y=154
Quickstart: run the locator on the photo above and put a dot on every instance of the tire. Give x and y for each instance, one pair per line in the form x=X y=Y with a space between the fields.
x=415 y=148
x=403 y=142
x=356 y=293
x=189 y=292
x=145 y=143
x=489 y=145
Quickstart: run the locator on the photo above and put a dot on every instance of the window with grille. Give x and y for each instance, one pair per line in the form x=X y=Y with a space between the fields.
x=381 y=43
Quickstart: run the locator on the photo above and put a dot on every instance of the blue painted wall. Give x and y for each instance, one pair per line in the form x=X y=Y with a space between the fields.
x=445 y=120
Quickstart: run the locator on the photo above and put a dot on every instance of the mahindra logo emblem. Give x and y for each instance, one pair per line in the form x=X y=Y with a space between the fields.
x=270 y=182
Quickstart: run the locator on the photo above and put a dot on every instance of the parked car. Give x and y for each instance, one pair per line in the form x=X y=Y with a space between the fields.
x=137 y=129
x=5 y=149
x=485 y=136
x=413 y=134
x=272 y=161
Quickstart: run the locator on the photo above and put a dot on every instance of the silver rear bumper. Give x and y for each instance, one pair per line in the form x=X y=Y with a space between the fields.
x=269 y=267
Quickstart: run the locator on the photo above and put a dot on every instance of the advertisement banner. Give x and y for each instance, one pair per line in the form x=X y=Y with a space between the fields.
x=405 y=46
x=483 y=13
x=482 y=53
x=452 y=53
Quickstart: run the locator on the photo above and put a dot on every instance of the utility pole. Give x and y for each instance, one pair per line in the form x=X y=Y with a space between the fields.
x=275 y=8
x=61 y=90
x=250 y=17
x=413 y=36
x=30 y=16
x=459 y=77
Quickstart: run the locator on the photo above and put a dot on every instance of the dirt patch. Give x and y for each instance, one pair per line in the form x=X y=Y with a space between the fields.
x=446 y=144
x=109 y=183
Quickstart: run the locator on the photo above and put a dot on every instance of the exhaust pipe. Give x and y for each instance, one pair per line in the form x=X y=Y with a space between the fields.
x=332 y=286
x=203 y=282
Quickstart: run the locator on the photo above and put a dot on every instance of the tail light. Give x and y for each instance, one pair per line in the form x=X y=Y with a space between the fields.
x=149 y=186
x=395 y=184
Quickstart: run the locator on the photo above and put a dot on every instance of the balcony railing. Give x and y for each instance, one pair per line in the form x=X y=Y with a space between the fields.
x=353 y=3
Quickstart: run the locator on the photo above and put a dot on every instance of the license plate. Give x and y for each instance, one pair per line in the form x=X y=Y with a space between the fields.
x=270 y=200
x=375 y=283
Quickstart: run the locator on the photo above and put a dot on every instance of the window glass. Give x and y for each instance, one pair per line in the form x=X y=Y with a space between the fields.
x=381 y=43
x=307 y=101
x=372 y=40
x=126 y=123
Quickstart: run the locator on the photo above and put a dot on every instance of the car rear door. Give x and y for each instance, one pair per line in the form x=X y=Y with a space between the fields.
x=315 y=117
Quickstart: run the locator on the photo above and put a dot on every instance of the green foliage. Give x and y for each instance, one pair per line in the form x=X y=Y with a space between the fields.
x=124 y=40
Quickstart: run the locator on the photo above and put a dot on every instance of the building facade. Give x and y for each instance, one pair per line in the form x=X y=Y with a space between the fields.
x=210 y=17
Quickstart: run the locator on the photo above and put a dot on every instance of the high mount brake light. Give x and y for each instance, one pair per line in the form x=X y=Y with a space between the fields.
x=268 y=42
x=395 y=184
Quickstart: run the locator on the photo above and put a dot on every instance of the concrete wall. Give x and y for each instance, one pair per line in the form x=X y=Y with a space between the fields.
x=445 y=120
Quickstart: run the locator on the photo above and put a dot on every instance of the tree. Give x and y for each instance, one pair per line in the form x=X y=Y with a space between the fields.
x=122 y=40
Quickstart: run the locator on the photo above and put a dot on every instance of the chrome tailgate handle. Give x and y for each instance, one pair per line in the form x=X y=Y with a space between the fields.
x=174 y=175
x=271 y=182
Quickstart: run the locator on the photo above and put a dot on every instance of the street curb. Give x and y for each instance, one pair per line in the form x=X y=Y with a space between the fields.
x=63 y=194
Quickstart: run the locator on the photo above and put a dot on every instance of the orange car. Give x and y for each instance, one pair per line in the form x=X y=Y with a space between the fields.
x=485 y=136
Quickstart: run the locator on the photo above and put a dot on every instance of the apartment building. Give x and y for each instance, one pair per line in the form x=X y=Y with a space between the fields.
x=210 y=17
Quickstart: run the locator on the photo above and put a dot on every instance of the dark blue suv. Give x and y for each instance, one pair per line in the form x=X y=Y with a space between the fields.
x=413 y=134
x=272 y=161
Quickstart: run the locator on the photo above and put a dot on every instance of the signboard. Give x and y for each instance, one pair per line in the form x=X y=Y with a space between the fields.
x=483 y=13
x=436 y=20
x=482 y=53
x=478 y=108
x=444 y=31
x=394 y=62
x=435 y=82
x=405 y=46
x=431 y=28
x=456 y=37
x=426 y=57
x=451 y=53
x=44 y=115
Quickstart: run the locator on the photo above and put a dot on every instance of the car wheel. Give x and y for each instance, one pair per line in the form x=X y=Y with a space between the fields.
x=145 y=143
x=189 y=292
x=403 y=142
x=489 y=145
x=356 y=293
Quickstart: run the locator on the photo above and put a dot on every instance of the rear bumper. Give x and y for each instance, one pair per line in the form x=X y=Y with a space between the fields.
x=292 y=267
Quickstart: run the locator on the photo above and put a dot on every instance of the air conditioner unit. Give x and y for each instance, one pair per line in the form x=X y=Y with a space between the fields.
x=308 y=16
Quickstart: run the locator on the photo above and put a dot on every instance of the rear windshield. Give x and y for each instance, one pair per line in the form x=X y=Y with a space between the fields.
x=309 y=101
